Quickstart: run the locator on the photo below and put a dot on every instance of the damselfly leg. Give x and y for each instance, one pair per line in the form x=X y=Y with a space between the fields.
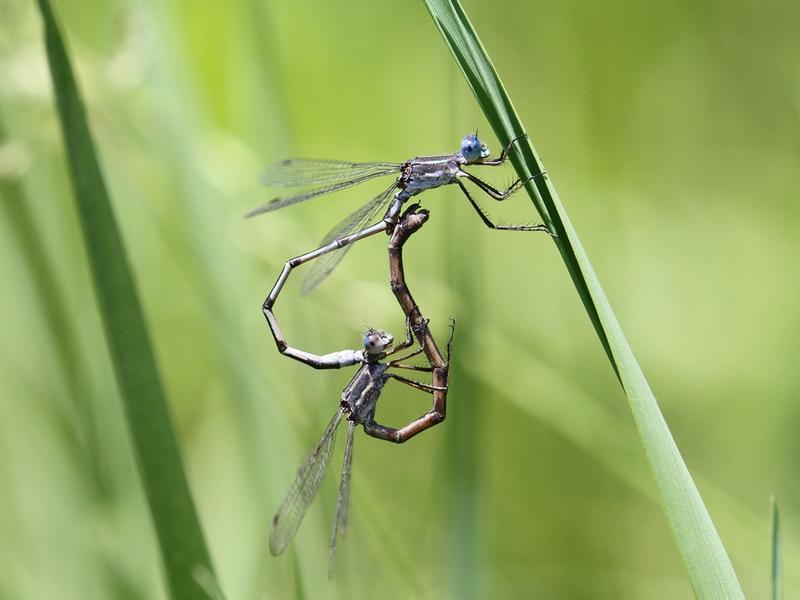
x=485 y=217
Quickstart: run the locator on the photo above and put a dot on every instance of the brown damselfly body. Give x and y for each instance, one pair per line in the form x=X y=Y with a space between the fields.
x=413 y=177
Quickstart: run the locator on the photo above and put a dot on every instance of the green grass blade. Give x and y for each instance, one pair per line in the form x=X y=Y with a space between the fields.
x=707 y=564
x=777 y=566
x=183 y=550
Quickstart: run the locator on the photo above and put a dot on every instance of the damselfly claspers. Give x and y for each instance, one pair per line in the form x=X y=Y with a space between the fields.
x=415 y=176
x=358 y=404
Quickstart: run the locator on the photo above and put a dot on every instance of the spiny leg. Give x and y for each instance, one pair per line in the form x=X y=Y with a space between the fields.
x=485 y=218
x=397 y=361
x=328 y=361
x=417 y=384
x=409 y=341
x=406 y=343
x=450 y=339
x=493 y=191
x=397 y=365
x=503 y=155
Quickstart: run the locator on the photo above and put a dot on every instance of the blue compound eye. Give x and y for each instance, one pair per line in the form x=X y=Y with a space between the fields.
x=471 y=148
x=369 y=341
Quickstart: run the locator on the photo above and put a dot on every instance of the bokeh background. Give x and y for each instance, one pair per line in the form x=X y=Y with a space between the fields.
x=672 y=132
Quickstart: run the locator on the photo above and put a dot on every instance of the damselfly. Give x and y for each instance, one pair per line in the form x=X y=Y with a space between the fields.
x=413 y=177
x=358 y=404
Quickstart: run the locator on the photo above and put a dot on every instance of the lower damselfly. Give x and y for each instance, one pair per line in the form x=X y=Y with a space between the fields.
x=359 y=399
x=413 y=177
x=357 y=406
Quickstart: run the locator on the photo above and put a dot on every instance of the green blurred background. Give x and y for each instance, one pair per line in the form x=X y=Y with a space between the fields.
x=672 y=132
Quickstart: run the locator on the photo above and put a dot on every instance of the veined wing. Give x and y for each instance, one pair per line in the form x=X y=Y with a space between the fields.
x=358 y=220
x=343 y=502
x=332 y=175
x=303 y=490
x=303 y=171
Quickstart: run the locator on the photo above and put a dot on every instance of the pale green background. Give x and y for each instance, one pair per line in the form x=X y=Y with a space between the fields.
x=672 y=132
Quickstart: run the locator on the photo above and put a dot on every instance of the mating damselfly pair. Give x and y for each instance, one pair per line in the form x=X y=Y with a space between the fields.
x=359 y=399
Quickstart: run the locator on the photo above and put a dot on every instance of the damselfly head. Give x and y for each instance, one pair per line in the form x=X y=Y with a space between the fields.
x=376 y=341
x=472 y=149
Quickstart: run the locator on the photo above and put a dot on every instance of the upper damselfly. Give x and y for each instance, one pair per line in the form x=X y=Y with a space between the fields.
x=413 y=177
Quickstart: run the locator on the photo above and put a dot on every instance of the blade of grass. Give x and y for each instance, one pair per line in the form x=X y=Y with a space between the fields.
x=777 y=566
x=183 y=549
x=707 y=563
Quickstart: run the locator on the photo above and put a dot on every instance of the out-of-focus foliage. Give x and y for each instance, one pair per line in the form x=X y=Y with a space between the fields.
x=182 y=549
x=672 y=134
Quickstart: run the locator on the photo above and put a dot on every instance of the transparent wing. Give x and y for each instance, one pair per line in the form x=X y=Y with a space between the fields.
x=357 y=221
x=343 y=502
x=335 y=175
x=303 y=490
x=300 y=171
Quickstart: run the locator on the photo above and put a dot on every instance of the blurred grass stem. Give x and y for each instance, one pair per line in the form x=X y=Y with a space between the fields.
x=177 y=527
